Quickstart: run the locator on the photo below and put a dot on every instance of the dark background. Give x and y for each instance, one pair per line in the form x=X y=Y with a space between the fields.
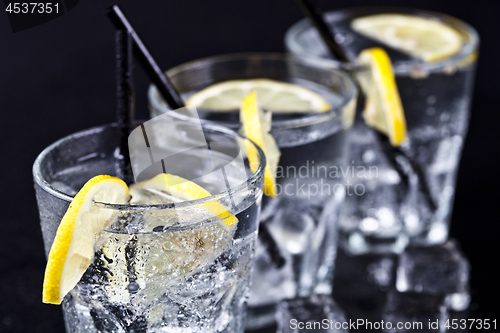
x=58 y=78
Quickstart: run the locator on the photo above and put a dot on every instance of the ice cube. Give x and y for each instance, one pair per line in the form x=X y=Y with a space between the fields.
x=414 y=312
x=360 y=283
x=317 y=313
x=436 y=270
x=375 y=269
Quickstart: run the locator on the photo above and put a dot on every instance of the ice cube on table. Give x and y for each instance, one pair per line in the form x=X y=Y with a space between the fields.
x=361 y=282
x=377 y=270
x=414 y=312
x=317 y=313
x=436 y=270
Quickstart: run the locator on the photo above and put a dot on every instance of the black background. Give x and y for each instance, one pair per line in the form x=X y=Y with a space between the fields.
x=58 y=78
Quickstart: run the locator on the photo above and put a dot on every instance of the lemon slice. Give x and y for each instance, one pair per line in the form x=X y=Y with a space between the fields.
x=273 y=96
x=73 y=247
x=421 y=37
x=166 y=188
x=383 y=109
x=256 y=126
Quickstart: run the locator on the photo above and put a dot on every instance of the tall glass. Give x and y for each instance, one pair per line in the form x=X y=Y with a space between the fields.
x=157 y=268
x=297 y=242
x=409 y=192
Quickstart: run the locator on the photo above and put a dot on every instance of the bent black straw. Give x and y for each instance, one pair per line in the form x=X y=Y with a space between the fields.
x=145 y=58
x=125 y=100
x=316 y=17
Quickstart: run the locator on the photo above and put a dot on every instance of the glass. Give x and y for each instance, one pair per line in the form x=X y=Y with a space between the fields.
x=408 y=196
x=190 y=276
x=296 y=248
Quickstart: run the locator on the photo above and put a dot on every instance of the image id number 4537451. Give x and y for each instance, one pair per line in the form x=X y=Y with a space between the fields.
x=32 y=7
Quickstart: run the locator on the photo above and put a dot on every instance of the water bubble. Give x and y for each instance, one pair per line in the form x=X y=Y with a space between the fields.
x=386 y=217
x=448 y=191
x=344 y=38
x=339 y=38
x=133 y=287
x=369 y=156
x=392 y=177
x=445 y=116
x=369 y=224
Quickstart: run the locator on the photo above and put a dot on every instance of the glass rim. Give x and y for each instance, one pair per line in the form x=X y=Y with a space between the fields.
x=40 y=180
x=467 y=50
x=309 y=119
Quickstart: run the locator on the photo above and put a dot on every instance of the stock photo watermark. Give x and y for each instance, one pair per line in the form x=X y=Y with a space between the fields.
x=363 y=324
x=313 y=179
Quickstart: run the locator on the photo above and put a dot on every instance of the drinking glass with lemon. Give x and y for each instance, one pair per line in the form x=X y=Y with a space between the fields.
x=416 y=71
x=168 y=254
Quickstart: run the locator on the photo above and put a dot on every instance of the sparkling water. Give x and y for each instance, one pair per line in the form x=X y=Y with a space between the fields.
x=136 y=285
x=408 y=196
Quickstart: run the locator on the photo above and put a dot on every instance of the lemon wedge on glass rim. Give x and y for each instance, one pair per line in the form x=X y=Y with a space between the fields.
x=256 y=125
x=383 y=108
x=273 y=96
x=73 y=248
x=424 y=38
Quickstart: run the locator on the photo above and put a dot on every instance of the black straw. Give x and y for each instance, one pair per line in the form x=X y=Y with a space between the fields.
x=271 y=246
x=392 y=154
x=125 y=100
x=145 y=58
x=316 y=16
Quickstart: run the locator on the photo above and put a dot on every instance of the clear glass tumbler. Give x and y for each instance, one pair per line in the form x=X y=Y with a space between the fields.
x=157 y=268
x=296 y=248
x=407 y=192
